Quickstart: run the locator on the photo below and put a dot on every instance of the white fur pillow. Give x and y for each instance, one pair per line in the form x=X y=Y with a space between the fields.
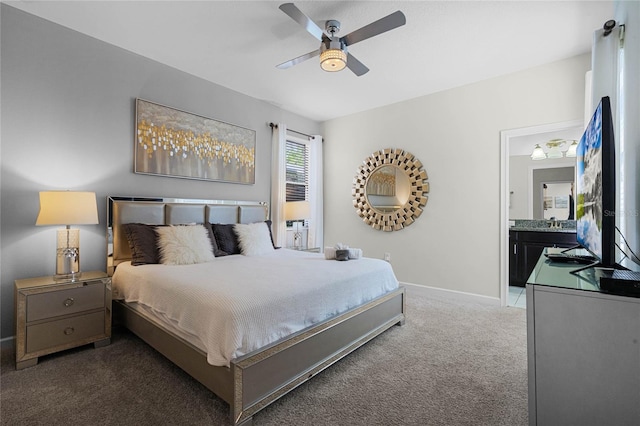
x=254 y=238
x=184 y=245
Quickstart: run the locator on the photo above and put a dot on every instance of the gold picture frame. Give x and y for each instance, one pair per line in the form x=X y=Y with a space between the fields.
x=391 y=218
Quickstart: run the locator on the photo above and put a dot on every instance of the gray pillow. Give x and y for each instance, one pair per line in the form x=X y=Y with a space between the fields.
x=217 y=252
x=268 y=222
x=143 y=243
x=226 y=239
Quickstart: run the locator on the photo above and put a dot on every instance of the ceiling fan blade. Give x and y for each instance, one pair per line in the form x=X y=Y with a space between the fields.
x=356 y=66
x=302 y=19
x=299 y=59
x=389 y=22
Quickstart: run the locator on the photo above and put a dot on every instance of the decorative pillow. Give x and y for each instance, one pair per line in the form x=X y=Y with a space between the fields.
x=184 y=245
x=268 y=222
x=226 y=239
x=216 y=250
x=143 y=243
x=254 y=238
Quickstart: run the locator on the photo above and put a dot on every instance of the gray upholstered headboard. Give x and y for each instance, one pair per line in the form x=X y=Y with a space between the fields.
x=171 y=211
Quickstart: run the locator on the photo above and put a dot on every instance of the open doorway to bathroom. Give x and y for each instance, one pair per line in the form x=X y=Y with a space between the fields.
x=517 y=189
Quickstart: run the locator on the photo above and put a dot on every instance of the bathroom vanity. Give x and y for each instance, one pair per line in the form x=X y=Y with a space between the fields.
x=527 y=240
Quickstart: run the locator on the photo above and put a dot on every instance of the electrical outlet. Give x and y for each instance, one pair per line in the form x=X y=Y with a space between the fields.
x=387 y=257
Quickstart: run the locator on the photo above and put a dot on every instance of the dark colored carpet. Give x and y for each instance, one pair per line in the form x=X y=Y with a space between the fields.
x=452 y=363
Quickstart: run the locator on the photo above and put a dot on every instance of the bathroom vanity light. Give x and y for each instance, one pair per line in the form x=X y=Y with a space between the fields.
x=538 y=153
x=554 y=150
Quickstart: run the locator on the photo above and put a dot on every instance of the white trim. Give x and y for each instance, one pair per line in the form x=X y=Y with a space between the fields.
x=460 y=296
x=297 y=139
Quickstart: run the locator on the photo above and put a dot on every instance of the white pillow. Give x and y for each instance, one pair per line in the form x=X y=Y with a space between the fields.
x=184 y=245
x=254 y=238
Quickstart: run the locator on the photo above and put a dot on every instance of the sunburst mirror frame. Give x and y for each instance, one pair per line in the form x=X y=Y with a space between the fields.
x=412 y=208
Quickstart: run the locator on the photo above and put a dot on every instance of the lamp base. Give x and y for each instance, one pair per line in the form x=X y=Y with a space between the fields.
x=72 y=277
x=68 y=255
x=297 y=240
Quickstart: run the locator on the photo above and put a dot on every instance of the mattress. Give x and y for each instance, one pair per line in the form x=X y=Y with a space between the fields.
x=237 y=304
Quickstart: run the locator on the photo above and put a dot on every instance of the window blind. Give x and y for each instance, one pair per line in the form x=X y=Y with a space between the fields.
x=297 y=180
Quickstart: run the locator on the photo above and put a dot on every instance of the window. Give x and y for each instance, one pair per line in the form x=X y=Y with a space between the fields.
x=297 y=180
x=297 y=185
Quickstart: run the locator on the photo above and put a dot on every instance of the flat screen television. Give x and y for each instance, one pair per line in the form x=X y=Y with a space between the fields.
x=596 y=187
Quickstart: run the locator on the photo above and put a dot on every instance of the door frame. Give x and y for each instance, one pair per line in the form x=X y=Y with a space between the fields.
x=505 y=139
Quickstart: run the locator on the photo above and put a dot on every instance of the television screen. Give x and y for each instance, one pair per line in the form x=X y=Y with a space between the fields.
x=595 y=186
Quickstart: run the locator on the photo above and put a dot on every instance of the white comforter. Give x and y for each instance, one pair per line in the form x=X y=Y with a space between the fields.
x=237 y=304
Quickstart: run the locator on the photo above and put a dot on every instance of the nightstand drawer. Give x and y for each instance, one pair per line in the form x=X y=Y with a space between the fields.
x=64 y=331
x=64 y=302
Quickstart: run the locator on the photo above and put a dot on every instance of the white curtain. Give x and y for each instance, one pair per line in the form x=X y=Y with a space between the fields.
x=278 y=185
x=316 y=195
x=607 y=78
x=279 y=188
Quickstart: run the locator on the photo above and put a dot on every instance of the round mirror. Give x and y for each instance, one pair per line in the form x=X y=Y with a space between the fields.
x=390 y=189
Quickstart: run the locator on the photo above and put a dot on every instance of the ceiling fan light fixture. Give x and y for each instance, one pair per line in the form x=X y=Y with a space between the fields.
x=333 y=59
x=333 y=49
x=333 y=56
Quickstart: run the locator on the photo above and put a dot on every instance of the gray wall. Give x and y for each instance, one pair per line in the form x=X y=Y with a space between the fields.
x=68 y=105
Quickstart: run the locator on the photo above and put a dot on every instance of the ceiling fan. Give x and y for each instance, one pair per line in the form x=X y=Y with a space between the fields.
x=333 y=50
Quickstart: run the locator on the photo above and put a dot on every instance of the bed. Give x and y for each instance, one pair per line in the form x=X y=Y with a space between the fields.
x=247 y=372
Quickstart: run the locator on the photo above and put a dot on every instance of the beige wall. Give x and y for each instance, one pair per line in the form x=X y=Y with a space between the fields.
x=456 y=134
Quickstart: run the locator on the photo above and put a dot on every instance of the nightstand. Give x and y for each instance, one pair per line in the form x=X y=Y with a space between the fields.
x=52 y=315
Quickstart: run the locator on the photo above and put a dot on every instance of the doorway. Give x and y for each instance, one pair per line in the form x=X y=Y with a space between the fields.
x=520 y=142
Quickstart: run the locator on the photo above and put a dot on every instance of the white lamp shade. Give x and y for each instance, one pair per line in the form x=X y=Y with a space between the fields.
x=67 y=208
x=297 y=210
x=538 y=153
x=554 y=152
x=572 y=151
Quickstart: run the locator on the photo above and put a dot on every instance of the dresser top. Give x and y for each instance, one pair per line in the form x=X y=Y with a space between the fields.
x=50 y=280
x=558 y=275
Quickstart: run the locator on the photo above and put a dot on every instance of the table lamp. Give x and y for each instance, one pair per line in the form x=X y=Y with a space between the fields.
x=67 y=208
x=297 y=210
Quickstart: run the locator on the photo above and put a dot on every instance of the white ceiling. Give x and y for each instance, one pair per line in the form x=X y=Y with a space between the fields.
x=237 y=44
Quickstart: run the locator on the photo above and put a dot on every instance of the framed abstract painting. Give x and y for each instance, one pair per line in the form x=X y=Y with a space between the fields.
x=170 y=142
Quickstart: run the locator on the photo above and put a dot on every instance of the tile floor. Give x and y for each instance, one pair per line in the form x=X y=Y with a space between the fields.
x=517 y=297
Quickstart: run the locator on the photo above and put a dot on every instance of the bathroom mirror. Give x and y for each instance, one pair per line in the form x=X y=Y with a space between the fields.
x=550 y=193
x=557 y=201
x=390 y=189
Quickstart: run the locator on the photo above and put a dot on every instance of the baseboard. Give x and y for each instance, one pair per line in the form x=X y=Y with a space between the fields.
x=451 y=294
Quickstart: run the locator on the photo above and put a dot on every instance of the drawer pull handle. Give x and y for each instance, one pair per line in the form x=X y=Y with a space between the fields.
x=69 y=330
x=68 y=302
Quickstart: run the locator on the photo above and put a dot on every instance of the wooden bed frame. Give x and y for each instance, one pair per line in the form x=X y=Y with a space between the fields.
x=254 y=380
